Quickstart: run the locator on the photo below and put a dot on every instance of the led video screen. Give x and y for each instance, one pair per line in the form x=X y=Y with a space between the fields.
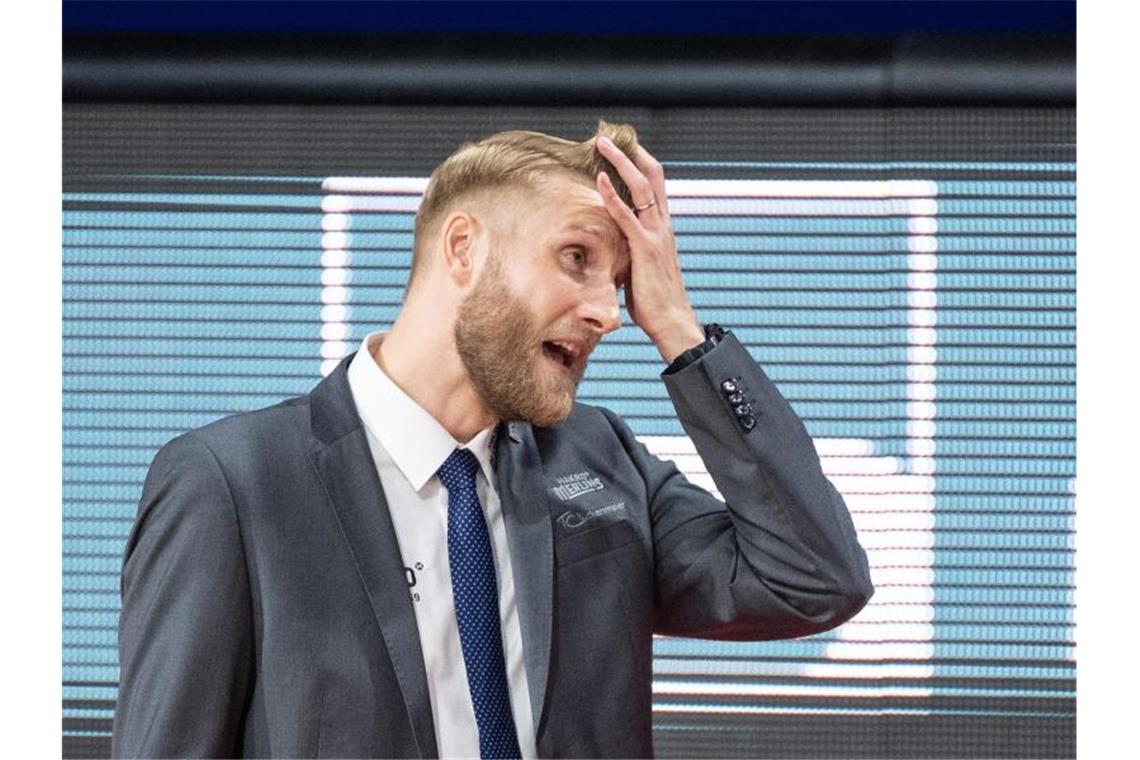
x=906 y=277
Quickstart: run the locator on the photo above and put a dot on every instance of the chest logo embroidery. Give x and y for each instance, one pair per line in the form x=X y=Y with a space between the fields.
x=572 y=486
x=573 y=519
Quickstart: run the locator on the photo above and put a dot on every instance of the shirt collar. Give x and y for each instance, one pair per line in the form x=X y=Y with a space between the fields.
x=395 y=419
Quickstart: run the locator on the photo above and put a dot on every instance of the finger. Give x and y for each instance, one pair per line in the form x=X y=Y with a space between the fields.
x=639 y=186
x=622 y=214
x=630 y=303
x=655 y=173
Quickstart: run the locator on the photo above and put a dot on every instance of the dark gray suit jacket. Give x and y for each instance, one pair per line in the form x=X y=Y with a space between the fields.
x=266 y=610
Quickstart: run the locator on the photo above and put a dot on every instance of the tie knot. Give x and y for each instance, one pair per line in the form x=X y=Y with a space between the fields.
x=459 y=470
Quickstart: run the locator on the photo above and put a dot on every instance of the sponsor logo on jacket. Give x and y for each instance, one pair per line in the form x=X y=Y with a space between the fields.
x=569 y=487
x=575 y=519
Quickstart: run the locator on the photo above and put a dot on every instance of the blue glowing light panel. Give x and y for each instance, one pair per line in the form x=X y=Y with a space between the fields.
x=919 y=313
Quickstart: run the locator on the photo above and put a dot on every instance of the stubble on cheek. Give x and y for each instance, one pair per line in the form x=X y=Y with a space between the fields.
x=500 y=346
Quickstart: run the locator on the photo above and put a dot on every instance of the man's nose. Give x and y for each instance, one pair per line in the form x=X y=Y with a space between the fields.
x=601 y=310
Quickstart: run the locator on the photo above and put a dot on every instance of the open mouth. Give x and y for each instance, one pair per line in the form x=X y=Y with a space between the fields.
x=562 y=354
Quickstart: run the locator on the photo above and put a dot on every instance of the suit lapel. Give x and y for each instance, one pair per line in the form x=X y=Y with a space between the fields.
x=344 y=462
x=518 y=471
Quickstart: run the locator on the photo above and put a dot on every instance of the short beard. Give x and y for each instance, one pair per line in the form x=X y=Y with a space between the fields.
x=501 y=349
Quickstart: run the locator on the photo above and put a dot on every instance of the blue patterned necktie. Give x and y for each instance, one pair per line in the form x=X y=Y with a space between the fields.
x=476 y=592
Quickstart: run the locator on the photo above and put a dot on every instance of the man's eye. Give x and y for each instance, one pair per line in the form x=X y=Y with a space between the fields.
x=577 y=257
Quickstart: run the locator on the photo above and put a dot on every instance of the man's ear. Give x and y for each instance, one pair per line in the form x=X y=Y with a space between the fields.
x=459 y=231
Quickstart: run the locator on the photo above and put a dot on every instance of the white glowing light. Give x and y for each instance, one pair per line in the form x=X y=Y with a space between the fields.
x=335 y=204
x=922 y=244
x=881 y=484
x=334 y=240
x=411 y=185
x=922 y=336
x=692 y=465
x=680 y=207
x=920 y=428
x=921 y=373
x=900 y=650
x=333 y=349
x=844 y=447
x=920 y=447
x=922 y=225
x=919 y=577
x=888 y=595
x=857 y=631
x=907 y=614
x=922 y=317
x=334 y=258
x=680 y=445
x=913 y=188
x=920 y=391
x=889 y=540
x=922 y=207
x=328 y=365
x=920 y=410
x=334 y=295
x=921 y=354
x=334 y=313
x=922 y=262
x=860 y=465
x=334 y=277
x=837 y=670
x=900 y=558
x=922 y=280
x=861 y=484
x=394 y=203
x=888 y=502
x=334 y=331
x=922 y=299
x=663 y=445
x=792 y=188
x=890 y=521
x=334 y=222
x=922 y=466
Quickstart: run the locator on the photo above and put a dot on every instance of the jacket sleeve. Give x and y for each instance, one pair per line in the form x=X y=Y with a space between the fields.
x=781 y=559
x=185 y=630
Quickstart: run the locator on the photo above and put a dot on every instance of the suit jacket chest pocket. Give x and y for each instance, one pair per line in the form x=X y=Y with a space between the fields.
x=584 y=534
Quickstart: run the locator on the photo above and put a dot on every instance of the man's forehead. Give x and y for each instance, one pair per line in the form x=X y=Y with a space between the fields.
x=596 y=225
x=561 y=204
x=580 y=209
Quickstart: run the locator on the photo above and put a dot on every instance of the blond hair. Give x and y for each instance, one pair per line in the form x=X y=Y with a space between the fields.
x=515 y=159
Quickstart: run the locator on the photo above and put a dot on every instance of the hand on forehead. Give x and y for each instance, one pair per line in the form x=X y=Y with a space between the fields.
x=584 y=205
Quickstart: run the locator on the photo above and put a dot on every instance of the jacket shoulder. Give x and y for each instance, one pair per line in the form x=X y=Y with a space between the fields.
x=256 y=430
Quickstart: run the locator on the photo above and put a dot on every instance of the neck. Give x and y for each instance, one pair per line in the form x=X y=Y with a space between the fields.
x=420 y=357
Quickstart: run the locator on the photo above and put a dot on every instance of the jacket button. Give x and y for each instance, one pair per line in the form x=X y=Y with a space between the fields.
x=729 y=386
x=744 y=410
x=736 y=398
x=748 y=422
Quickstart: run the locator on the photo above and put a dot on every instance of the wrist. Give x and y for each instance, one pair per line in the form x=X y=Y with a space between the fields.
x=714 y=334
x=678 y=338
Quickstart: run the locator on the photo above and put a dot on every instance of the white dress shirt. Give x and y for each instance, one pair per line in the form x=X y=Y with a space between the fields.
x=408 y=446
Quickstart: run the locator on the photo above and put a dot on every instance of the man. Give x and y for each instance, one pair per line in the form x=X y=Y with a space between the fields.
x=437 y=552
